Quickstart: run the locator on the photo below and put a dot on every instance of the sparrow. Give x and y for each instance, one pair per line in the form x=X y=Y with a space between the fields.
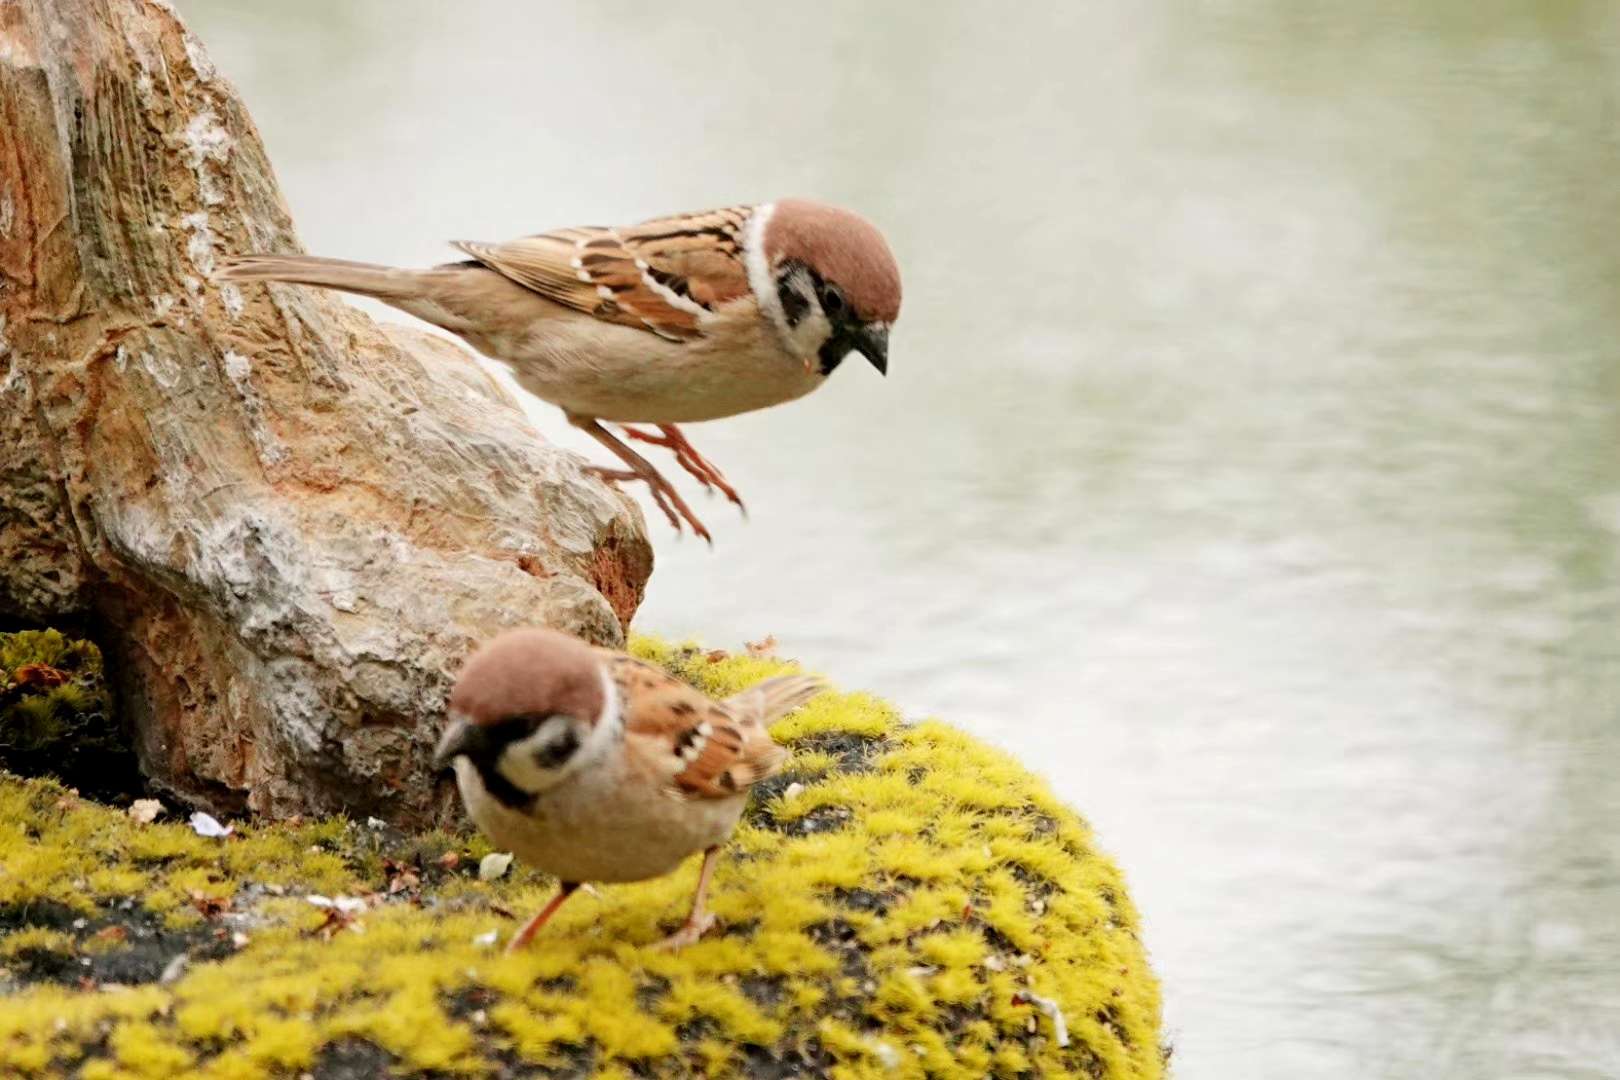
x=679 y=319
x=594 y=766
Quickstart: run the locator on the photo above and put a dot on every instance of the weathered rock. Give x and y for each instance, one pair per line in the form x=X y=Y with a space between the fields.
x=286 y=524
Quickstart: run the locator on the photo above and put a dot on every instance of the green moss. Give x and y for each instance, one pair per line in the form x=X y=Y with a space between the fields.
x=880 y=907
x=56 y=715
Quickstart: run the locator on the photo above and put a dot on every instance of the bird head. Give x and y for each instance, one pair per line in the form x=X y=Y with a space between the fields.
x=826 y=279
x=529 y=709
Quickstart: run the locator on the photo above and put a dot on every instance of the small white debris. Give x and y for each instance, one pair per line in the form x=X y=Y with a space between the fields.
x=793 y=790
x=349 y=905
x=207 y=825
x=479 y=1018
x=887 y=1055
x=174 y=969
x=231 y=297
x=487 y=940
x=239 y=939
x=494 y=865
x=921 y=971
x=994 y=963
x=1060 y=1026
x=80 y=924
x=145 y=811
x=376 y=824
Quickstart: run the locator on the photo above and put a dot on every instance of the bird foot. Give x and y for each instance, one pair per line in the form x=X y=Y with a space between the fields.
x=687 y=456
x=664 y=496
x=689 y=933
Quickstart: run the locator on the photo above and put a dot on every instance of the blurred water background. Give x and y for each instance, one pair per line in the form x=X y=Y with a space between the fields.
x=1249 y=464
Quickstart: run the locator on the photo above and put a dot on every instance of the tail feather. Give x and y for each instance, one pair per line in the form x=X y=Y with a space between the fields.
x=367 y=279
x=776 y=697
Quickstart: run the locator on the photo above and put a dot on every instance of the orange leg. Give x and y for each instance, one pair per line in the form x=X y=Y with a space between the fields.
x=663 y=492
x=700 y=920
x=693 y=462
x=532 y=927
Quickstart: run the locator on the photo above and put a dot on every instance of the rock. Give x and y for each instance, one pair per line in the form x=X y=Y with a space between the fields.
x=954 y=920
x=287 y=524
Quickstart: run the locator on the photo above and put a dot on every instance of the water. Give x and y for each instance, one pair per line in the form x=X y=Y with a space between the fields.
x=1250 y=461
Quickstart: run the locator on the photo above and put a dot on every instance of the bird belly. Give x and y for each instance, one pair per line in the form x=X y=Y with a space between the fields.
x=595 y=828
x=619 y=373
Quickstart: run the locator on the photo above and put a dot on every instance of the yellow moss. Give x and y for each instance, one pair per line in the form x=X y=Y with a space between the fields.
x=879 y=920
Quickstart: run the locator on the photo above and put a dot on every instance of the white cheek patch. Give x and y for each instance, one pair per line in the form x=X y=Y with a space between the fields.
x=522 y=760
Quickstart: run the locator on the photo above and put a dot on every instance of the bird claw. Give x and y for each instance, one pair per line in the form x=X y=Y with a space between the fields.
x=686 y=455
x=689 y=933
x=663 y=496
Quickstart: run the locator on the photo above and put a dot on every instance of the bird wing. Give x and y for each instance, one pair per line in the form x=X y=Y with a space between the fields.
x=705 y=749
x=666 y=275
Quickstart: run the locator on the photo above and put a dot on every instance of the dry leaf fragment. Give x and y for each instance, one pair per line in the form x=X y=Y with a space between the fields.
x=39 y=675
x=210 y=907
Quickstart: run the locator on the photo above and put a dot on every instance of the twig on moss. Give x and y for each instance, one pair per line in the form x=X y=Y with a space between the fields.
x=1060 y=1026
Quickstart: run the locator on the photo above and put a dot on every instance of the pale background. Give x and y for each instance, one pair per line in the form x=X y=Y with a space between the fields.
x=1249 y=465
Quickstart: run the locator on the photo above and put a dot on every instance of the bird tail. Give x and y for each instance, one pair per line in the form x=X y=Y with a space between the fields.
x=776 y=697
x=367 y=279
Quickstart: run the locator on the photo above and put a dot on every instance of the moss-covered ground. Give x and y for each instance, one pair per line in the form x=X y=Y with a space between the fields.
x=881 y=909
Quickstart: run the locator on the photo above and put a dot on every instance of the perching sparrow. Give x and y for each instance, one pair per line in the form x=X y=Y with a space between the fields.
x=685 y=318
x=594 y=766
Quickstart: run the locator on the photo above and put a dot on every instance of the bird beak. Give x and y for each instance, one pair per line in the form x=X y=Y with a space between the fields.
x=872 y=342
x=459 y=738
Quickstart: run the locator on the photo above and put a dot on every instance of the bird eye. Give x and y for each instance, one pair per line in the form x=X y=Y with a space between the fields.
x=832 y=301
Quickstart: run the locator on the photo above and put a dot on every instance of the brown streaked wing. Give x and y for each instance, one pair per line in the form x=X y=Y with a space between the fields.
x=662 y=275
x=711 y=752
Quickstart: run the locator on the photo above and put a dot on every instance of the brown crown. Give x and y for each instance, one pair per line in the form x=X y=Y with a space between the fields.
x=529 y=672
x=841 y=246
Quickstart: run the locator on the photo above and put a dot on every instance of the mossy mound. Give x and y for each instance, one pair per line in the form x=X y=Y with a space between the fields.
x=883 y=906
x=56 y=716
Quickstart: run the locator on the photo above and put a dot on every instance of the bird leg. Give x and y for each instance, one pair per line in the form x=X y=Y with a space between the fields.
x=532 y=927
x=700 y=920
x=663 y=492
x=693 y=462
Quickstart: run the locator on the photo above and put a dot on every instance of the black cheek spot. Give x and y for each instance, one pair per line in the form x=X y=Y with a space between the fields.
x=794 y=305
x=559 y=750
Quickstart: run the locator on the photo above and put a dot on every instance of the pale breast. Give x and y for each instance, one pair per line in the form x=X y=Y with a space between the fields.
x=596 y=827
x=614 y=372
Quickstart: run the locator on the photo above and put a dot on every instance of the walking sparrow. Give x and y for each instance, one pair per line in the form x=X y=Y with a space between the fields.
x=594 y=766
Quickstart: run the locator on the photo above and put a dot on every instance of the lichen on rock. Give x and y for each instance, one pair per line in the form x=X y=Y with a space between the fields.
x=886 y=903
